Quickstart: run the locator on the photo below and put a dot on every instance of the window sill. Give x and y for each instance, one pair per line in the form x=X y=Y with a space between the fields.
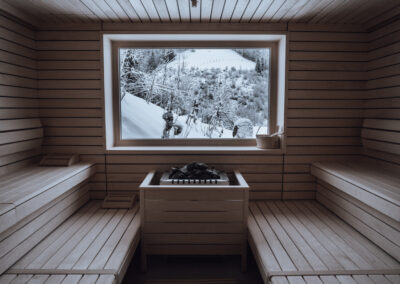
x=192 y=150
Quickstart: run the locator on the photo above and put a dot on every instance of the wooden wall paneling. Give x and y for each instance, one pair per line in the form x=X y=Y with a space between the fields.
x=326 y=98
x=20 y=129
x=263 y=173
x=380 y=132
x=70 y=96
x=325 y=107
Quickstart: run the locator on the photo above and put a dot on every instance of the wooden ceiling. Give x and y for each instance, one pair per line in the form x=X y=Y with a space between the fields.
x=243 y=11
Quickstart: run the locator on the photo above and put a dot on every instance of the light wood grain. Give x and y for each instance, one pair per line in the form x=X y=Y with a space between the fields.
x=95 y=240
x=20 y=127
x=201 y=219
x=296 y=236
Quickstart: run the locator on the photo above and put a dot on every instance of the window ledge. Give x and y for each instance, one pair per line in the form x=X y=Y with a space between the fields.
x=192 y=150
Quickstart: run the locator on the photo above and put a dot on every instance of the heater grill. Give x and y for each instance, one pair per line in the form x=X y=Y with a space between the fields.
x=165 y=180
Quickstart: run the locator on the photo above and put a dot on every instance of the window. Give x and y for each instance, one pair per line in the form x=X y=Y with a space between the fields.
x=193 y=92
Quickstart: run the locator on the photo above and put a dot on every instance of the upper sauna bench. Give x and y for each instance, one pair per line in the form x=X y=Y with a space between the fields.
x=29 y=189
x=373 y=183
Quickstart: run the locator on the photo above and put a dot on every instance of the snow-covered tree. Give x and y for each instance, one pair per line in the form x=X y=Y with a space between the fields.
x=209 y=100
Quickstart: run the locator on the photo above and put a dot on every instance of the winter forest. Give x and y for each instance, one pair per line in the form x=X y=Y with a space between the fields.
x=193 y=93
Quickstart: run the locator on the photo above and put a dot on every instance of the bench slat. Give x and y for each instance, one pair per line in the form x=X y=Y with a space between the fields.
x=376 y=230
x=19 y=243
x=32 y=188
x=285 y=233
x=93 y=239
x=380 y=189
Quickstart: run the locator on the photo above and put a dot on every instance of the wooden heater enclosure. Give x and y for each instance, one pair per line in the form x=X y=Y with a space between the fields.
x=194 y=219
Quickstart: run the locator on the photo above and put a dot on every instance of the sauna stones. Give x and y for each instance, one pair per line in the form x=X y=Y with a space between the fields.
x=194 y=171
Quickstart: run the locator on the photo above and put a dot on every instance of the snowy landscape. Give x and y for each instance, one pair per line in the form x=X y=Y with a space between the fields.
x=194 y=93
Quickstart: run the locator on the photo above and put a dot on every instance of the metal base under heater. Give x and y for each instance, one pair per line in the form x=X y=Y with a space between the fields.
x=165 y=180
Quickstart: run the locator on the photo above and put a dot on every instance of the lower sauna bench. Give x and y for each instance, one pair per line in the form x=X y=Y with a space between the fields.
x=303 y=242
x=94 y=245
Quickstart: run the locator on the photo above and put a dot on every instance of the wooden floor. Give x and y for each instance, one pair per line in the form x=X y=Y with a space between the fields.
x=304 y=236
x=95 y=241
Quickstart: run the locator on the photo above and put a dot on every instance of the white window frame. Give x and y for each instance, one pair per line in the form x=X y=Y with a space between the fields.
x=112 y=42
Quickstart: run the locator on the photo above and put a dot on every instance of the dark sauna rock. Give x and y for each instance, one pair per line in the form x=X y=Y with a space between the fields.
x=194 y=171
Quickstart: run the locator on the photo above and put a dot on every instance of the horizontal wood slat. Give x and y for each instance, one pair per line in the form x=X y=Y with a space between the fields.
x=20 y=128
x=305 y=236
x=381 y=130
x=326 y=97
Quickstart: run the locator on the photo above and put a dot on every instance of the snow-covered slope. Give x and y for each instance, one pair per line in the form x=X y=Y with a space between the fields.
x=212 y=58
x=142 y=120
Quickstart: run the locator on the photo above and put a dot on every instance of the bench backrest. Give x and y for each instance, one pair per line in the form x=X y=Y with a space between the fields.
x=381 y=135
x=380 y=138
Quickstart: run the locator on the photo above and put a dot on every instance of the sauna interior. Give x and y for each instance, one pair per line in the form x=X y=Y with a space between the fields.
x=200 y=141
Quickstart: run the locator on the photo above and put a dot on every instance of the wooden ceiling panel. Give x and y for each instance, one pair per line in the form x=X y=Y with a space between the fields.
x=272 y=10
x=184 y=10
x=206 y=8
x=240 y=7
x=140 y=10
x=162 y=10
x=245 y=11
x=129 y=10
x=228 y=10
x=341 y=9
x=298 y=6
x=216 y=13
x=173 y=10
x=151 y=10
x=325 y=11
x=195 y=11
x=250 y=10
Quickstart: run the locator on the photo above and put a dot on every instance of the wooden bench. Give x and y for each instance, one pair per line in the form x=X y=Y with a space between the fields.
x=30 y=188
x=366 y=192
x=50 y=231
x=34 y=201
x=377 y=185
x=303 y=242
x=94 y=245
